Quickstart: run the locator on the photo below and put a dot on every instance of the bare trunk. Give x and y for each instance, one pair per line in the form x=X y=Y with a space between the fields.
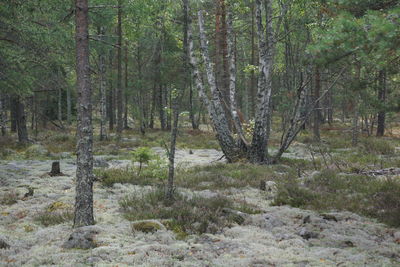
x=317 y=112
x=258 y=152
x=59 y=113
x=380 y=130
x=355 y=128
x=84 y=170
x=13 y=114
x=103 y=84
x=215 y=106
x=3 y=119
x=111 y=99
x=21 y=121
x=69 y=106
x=126 y=89
x=232 y=83
x=253 y=62
x=171 y=154
x=119 y=75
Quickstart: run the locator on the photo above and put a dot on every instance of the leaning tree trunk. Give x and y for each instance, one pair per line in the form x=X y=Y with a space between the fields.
x=84 y=171
x=215 y=106
x=103 y=96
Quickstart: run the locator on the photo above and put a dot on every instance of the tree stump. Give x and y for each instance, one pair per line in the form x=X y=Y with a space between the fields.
x=55 y=169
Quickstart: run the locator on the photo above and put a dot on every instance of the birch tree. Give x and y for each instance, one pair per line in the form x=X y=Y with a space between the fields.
x=233 y=143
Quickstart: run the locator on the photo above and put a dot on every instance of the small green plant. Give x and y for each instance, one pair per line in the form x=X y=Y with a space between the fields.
x=142 y=155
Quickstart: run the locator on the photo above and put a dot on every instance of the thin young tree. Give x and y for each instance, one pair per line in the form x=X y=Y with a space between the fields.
x=119 y=74
x=84 y=171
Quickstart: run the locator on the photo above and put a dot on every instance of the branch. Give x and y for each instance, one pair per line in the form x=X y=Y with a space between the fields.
x=102 y=41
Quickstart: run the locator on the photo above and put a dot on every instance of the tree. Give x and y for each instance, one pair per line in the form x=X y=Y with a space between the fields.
x=119 y=74
x=84 y=171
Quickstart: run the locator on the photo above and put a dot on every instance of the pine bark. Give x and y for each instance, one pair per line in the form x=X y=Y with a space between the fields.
x=126 y=89
x=13 y=114
x=317 y=112
x=3 y=119
x=111 y=106
x=119 y=75
x=69 y=106
x=59 y=113
x=103 y=96
x=84 y=172
x=380 y=131
x=20 y=118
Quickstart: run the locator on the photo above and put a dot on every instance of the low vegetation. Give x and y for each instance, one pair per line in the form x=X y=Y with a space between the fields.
x=55 y=213
x=9 y=198
x=330 y=190
x=185 y=215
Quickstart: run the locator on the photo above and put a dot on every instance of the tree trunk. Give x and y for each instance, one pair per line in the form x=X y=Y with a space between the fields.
x=355 y=128
x=59 y=113
x=161 y=106
x=258 y=152
x=253 y=88
x=126 y=89
x=119 y=75
x=21 y=121
x=171 y=154
x=186 y=71
x=84 y=171
x=103 y=84
x=222 y=64
x=330 y=108
x=111 y=106
x=317 y=111
x=215 y=106
x=380 y=131
x=13 y=114
x=69 y=106
x=3 y=117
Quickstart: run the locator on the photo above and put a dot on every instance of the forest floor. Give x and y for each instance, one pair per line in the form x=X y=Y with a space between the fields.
x=319 y=233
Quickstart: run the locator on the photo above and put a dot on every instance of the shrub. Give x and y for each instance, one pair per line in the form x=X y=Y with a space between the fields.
x=48 y=218
x=9 y=198
x=386 y=202
x=55 y=213
x=222 y=176
x=377 y=146
x=184 y=215
x=330 y=190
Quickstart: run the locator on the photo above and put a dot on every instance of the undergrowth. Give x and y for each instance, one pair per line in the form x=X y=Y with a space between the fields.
x=330 y=190
x=184 y=215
